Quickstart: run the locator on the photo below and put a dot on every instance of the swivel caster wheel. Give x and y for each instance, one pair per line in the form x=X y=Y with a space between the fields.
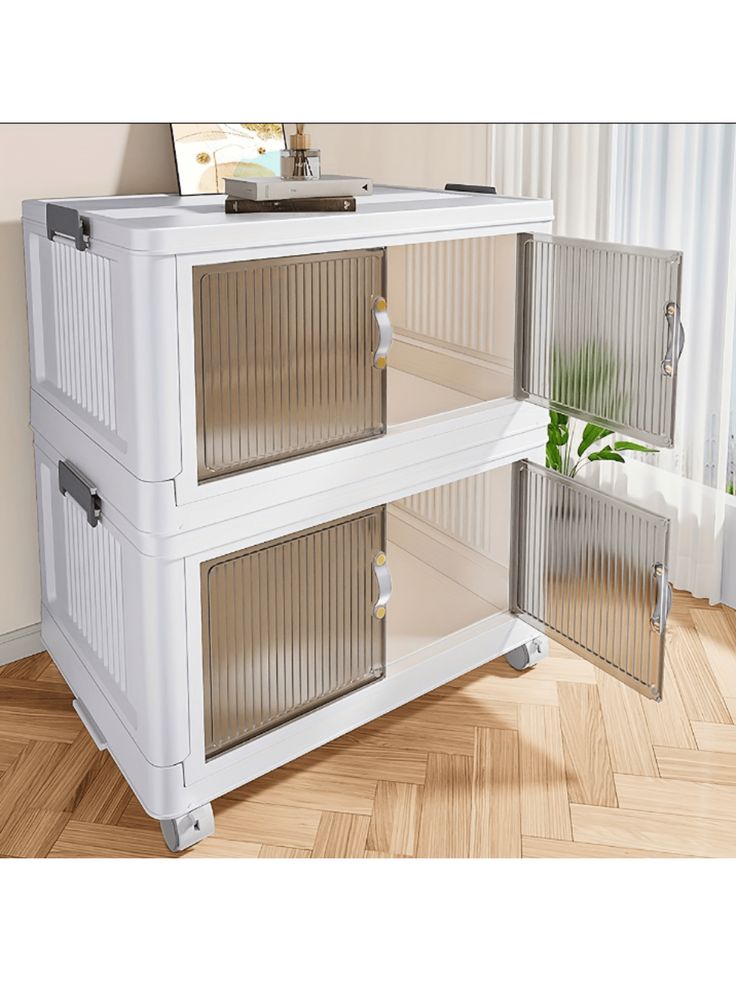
x=183 y=832
x=529 y=654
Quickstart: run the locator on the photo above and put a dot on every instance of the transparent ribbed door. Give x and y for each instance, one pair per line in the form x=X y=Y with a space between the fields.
x=599 y=334
x=591 y=572
x=284 y=358
x=292 y=624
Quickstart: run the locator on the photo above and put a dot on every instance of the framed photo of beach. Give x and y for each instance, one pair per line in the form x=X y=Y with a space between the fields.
x=207 y=153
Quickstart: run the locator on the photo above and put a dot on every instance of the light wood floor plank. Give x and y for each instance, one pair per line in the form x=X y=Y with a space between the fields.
x=216 y=847
x=10 y=749
x=276 y=851
x=399 y=733
x=382 y=763
x=31 y=832
x=452 y=707
x=22 y=785
x=27 y=669
x=627 y=734
x=269 y=824
x=553 y=848
x=444 y=827
x=571 y=668
x=83 y=840
x=311 y=790
x=106 y=796
x=519 y=688
x=719 y=642
x=35 y=694
x=667 y=720
x=134 y=816
x=688 y=797
x=692 y=764
x=422 y=779
x=681 y=835
x=699 y=689
x=545 y=811
x=395 y=821
x=495 y=811
x=341 y=835
x=716 y=738
x=589 y=773
x=52 y=673
x=60 y=789
x=39 y=725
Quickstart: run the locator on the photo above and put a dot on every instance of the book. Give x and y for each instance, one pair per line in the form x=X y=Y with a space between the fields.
x=243 y=206
x=278 y=189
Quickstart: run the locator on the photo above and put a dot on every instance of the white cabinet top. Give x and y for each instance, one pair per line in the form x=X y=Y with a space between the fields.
x=167 y=224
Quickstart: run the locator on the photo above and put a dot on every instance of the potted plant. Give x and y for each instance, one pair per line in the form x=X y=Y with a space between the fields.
x=566 y=458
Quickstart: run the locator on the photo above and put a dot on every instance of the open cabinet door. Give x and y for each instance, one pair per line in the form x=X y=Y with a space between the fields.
x=591 y=572
x=598 y=333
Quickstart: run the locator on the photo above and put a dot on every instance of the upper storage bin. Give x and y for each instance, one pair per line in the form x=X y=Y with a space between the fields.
x=198 y=347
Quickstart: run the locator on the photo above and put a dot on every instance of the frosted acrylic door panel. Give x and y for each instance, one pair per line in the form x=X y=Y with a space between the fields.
x=598 y=332
x=284 y=358
x=290 y=625
x=591 y=572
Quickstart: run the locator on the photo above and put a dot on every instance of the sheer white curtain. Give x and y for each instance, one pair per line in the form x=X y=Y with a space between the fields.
x=674 y=186
x=663 y=185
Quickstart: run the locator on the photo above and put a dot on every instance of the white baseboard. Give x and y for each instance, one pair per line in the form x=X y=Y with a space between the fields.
x=21 y=643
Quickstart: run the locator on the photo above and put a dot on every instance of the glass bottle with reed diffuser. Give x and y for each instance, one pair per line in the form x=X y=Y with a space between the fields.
x=300 y=162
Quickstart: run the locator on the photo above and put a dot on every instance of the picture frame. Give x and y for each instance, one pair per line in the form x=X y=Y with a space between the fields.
x=207 y=153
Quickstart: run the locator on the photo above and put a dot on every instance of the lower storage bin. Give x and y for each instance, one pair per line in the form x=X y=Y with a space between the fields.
x=201 y=653
x=289 y=625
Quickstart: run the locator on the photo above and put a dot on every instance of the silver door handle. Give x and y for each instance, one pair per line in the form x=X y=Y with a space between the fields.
x=385 y=585
x=379 y=309
x=663 y=604
x=674 y=328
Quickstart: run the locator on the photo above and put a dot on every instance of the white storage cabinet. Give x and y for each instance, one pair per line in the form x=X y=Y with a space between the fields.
x=268 y=446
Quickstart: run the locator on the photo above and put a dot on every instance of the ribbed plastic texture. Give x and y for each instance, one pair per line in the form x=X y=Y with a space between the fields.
x=288 y=626
x=284 y=361
x=452 y=295
x=594 y=332
x=468 y=511
x=83 y=331
x=94 y=579
x=585 y=574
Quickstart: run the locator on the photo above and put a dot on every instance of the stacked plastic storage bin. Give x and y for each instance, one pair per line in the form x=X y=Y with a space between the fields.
x=213 y=463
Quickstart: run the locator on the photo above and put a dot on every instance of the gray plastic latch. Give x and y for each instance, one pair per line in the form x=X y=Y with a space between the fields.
x=68 y=223
x=74 y=483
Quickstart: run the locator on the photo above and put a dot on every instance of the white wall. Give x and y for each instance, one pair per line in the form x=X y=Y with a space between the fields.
x=413 y=154
x=49 y=161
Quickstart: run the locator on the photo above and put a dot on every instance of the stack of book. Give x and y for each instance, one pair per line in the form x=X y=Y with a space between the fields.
x=329 y=192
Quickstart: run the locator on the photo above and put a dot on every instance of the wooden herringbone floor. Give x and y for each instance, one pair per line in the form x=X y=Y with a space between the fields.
x=559 y=761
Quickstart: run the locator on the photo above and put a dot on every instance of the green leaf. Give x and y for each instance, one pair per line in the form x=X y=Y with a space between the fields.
x=591 y=434
x=607 y=453
x=557 y=418
x=557 y=435
x=554 y=460
x=626 y=445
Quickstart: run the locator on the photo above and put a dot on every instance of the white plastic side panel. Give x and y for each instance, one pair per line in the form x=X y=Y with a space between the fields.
x=123 y=614
x=104 y=348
